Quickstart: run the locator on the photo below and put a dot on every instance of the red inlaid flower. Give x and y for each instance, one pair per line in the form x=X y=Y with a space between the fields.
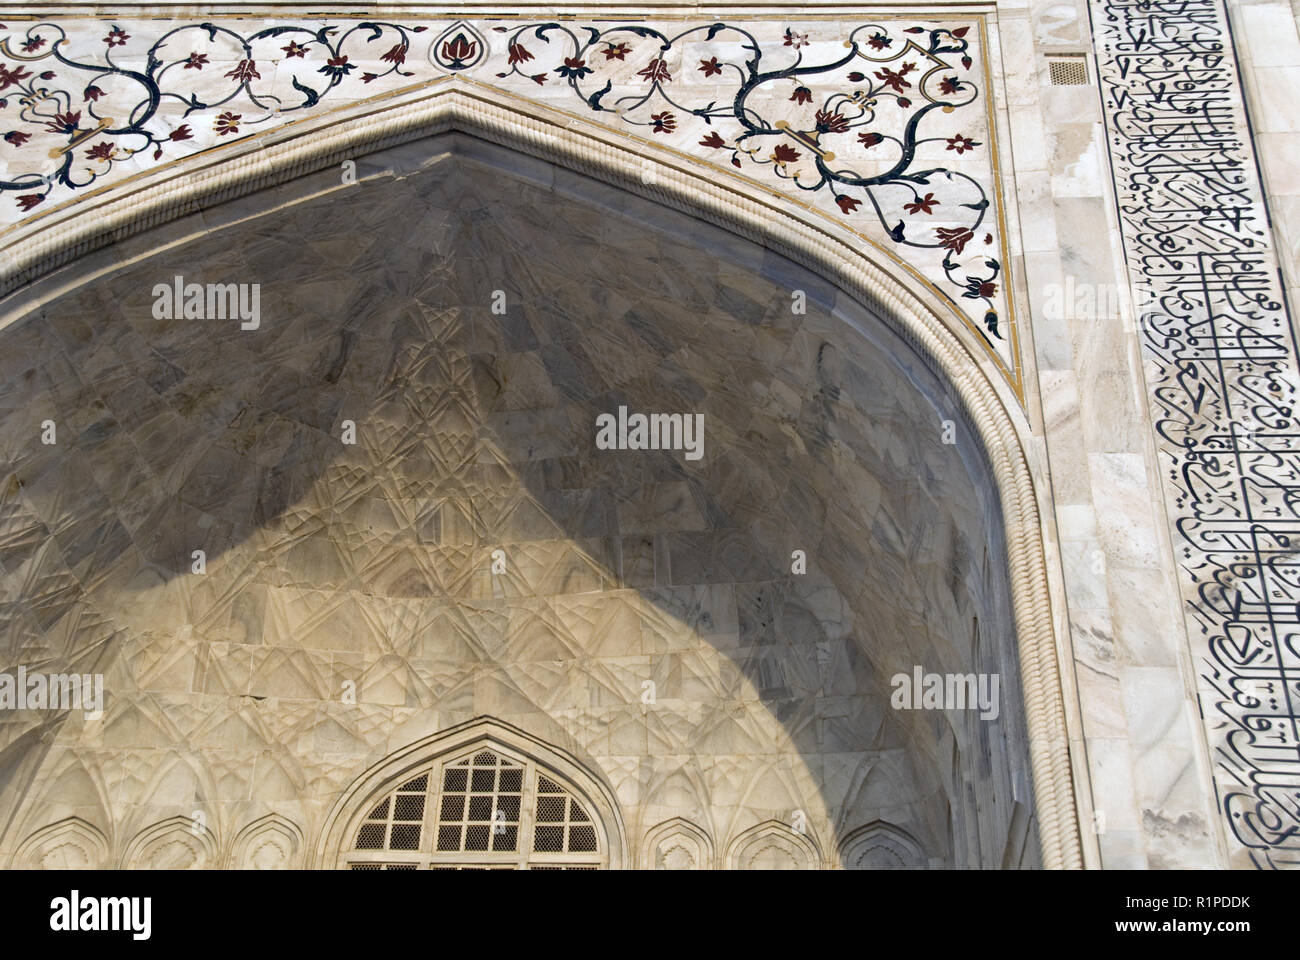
x=574 y=67
x=828 y=121
x=459 y=48
x=16 y=75
x=925 y=205
x=64 y=122
x=245 y=71
x=710 y=67
x=848 y=204
x=961 y=144
x=894 y=80
x=337 y=67
x=117 y=37
x=784 y=153
x=656 y=72
x=664 y=122
x=227 y=123
x=954 y=238
x=197 y=60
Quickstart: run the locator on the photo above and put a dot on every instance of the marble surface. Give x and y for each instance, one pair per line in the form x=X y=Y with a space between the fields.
x=1221 y=365
x=880 y=124
x=655 y=544
x=329 y=563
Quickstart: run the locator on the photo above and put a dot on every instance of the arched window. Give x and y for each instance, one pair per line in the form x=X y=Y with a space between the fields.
x=881 y=846
x=483 y=808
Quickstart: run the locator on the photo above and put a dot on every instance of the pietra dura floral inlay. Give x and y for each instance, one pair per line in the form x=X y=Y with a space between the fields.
x=883 y=126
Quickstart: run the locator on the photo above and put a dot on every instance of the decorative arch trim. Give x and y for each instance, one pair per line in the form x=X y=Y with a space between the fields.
x=270 y=828
x=73 y=830
x=885 y=836
x=189 y=833
x=774 y=833
x=296 y=149
x=677 y=827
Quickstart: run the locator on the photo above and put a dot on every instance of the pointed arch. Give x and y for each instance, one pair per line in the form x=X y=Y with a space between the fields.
x=271 y=842
x=541 y=806
x=864 y=273
x=773 y=845
x=677 y=844
x=177 y=843
x=881 y=846
x=70 y=844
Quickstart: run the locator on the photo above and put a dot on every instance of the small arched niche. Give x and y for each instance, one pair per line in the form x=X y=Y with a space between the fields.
x=178 y=843
x=881 y=846
x=71 y=844
x=268 y=843
x=773 y=845
x=677 y=844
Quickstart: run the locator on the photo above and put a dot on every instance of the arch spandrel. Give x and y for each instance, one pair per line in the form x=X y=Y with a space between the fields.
x=886 y=136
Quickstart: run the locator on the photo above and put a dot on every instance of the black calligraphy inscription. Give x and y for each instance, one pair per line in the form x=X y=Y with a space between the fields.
x=1221 y=364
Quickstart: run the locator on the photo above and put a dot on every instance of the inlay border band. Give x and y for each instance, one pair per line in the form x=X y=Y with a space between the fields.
x=1220 y=358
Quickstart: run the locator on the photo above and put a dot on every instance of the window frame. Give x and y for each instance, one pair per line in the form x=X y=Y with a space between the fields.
x=427 y=857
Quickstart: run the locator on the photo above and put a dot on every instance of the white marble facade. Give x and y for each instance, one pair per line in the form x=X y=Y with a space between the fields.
x=419 y=571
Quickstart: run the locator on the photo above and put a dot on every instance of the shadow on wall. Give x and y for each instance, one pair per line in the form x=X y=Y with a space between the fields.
x=470 y=318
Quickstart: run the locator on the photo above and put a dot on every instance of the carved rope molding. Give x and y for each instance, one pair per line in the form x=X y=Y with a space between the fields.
x=1220 y=357
x=585 y=148
x=884 y=125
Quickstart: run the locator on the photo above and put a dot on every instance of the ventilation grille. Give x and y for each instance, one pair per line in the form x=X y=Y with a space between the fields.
x=395 y=824
x=1068 y=71
x=384 y=866
x=562 y=826
x=480 y=804
x=482 y=810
